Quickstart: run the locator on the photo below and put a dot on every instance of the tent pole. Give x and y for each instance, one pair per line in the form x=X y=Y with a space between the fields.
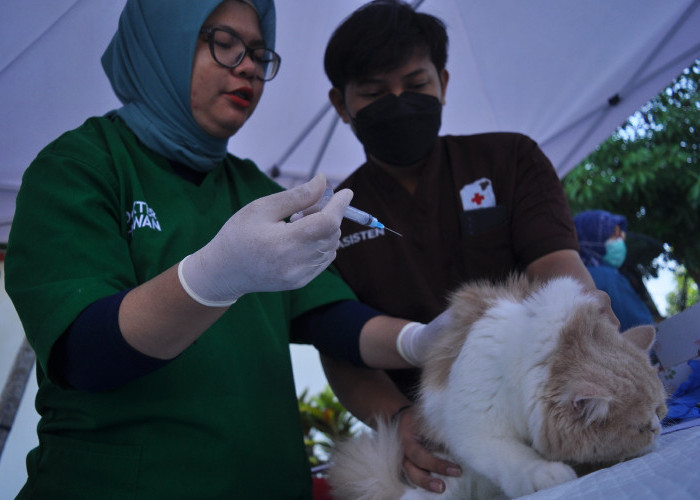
x=631 y=82
x=14 y=389
x=662 y=43
x=10 y=188
x=324 y=146
x=275 y=170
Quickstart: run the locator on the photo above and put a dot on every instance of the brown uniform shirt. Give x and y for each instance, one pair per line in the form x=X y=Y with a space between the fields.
x=443 y=244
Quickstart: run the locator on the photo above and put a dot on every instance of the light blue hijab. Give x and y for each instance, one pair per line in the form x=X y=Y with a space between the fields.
x=149 y=64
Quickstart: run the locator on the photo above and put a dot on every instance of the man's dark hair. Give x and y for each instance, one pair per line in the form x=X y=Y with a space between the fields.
x=381 y=36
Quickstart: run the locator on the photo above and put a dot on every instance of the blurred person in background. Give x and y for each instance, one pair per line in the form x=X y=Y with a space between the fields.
x=601 y=238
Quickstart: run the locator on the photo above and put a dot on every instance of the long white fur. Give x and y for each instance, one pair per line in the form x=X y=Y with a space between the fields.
x=368 y=467
x=488 y=411
x=496 y=380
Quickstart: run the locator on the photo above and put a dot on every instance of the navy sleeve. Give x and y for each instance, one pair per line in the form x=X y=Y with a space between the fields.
x=93 y=356
x=334 y=329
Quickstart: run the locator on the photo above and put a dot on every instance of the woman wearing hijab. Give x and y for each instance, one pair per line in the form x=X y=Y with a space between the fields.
x=134 y=259
x=601 y=237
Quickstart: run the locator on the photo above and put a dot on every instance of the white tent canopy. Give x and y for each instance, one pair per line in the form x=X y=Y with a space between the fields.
x=567 y=73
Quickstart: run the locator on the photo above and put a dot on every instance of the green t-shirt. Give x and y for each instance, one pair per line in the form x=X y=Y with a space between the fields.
x=98 y=213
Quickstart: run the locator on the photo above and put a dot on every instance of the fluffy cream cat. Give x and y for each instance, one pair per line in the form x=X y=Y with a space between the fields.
x=532 y=380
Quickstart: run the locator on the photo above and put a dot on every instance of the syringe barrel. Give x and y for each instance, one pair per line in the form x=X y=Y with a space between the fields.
x=351 y=213
x=358 y=216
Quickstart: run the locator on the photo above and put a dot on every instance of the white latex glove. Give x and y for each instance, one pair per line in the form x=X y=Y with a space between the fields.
x=257 y=251
x=415 y=338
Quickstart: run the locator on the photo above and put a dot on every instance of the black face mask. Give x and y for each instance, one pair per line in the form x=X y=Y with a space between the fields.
x=399 y=130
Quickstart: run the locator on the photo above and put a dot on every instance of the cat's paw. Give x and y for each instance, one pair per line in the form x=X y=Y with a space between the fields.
x=538 y=476
x=548 y=474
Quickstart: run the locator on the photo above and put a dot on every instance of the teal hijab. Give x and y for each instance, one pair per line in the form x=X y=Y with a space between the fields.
x=149 y=64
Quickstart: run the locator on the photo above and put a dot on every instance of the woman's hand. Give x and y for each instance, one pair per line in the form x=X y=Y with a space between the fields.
x=257 y=251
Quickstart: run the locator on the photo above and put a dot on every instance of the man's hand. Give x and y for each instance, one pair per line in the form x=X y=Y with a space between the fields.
x=415 y=339
x=418 y=461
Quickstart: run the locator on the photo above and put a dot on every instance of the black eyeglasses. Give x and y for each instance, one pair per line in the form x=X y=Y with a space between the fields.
x=228 y=50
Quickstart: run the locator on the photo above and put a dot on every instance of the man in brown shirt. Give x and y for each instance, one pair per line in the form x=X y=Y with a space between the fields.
x=468 y=207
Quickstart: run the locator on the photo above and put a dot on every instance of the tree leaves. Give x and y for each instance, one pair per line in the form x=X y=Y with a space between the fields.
x=324 y=420
x=649 y=171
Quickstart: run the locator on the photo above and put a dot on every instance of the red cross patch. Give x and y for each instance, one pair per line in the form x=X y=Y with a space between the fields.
x=478 y=194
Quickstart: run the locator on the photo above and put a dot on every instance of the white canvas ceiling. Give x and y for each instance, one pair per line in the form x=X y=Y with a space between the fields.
x=547 y=68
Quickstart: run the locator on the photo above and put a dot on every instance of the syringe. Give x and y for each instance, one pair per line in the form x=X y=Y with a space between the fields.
x=350 y=213
x=365 y=219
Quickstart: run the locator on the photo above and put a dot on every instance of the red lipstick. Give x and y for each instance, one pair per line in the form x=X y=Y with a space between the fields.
x=241 y=97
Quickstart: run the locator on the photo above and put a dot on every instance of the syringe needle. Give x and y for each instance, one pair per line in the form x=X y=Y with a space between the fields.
x=365 y=219
x=398 y=234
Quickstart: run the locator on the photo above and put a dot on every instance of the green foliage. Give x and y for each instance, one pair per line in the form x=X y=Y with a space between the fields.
x=323 y=421
x=685 y=294
x=649 y=171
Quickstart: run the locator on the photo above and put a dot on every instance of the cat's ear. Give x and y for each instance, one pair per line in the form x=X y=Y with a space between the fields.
x=589 y=401
x=642 y=336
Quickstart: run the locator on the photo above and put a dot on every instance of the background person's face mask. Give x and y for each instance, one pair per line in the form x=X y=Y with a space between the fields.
x=399 y=130
x=615 y=252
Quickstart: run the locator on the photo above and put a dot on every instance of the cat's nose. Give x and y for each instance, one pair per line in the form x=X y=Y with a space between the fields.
x=656 y=425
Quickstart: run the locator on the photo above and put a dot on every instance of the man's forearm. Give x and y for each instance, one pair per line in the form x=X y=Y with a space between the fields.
x=365 y=392
x=378 y=343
